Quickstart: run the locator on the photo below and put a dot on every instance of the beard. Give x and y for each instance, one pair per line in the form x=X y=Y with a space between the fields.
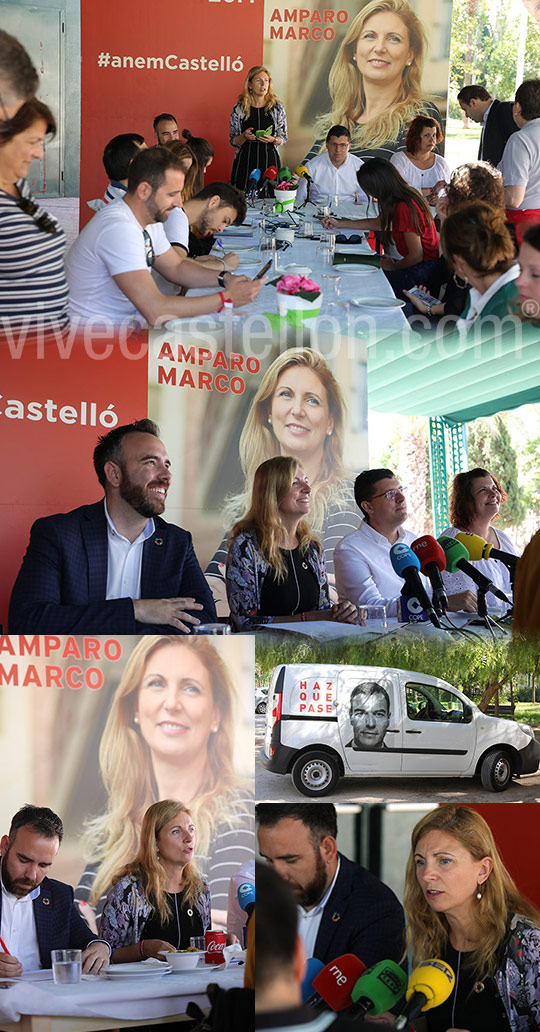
x=136 y=496
x=17 y=886
x=310 y=894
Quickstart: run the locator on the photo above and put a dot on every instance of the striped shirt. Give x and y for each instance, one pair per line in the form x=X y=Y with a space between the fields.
x=33 y=286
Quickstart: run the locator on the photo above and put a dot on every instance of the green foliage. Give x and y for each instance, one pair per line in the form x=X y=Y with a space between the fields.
x=469 y=666
x=484 y=49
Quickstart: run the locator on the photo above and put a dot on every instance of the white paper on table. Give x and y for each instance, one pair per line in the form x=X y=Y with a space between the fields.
x=233 y=952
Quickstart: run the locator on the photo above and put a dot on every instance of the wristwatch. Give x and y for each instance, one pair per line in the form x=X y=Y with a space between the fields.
x=221 y=277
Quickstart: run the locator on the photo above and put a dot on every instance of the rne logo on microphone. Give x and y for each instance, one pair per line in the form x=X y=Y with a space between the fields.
x=340 y=978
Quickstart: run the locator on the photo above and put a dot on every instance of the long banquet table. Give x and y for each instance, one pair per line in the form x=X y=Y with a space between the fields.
x=96 y=1003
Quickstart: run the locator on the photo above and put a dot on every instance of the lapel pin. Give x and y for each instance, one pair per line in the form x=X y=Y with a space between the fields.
x=336 y=917
x=45 y=901
x=158 y=541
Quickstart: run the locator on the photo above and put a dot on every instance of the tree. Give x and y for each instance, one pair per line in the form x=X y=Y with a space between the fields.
x=490 y=447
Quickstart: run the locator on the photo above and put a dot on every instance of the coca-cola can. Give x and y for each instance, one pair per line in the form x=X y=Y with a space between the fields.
x=215 y=944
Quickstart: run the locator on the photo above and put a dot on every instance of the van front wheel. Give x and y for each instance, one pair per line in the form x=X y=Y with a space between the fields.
x=496 y=771
x=315 y=773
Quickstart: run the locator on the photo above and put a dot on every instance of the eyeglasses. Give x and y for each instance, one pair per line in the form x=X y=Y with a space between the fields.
x=391 y=494
x=44 y=221
x=149 y=249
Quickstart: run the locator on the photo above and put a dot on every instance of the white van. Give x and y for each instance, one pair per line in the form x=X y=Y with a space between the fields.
x=325 y=722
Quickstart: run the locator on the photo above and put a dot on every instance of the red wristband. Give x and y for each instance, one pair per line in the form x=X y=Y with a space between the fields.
x=141 y=948
x=224 y=301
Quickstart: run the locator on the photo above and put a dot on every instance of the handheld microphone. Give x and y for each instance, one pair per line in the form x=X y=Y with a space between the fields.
x=302 y=171
x=480 y=549
x=432 y=563
x=254 y=177
x=378 y=989
x=271 y=173
x=313 y=966
x=334 y=983
x=429 y=985
x=284 y=174
x=246 y=897
x=457 y=559
x=406 y=565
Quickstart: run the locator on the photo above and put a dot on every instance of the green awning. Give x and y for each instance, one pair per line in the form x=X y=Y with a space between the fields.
x=458 y=379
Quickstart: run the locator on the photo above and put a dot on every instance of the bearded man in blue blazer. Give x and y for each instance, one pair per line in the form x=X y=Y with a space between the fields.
x=37 y=913
x=342 y=907
x=114 y=567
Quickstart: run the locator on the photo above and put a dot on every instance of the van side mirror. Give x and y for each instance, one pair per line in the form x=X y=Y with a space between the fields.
x=467 y=714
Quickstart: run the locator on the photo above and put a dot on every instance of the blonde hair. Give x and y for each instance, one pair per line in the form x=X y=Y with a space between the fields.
x=427 y=931
x=184 y=152
x=126 y=764
x=147 y=868
x=272 y=481
x=347 y=87
x=244 y=98
x=258 y=441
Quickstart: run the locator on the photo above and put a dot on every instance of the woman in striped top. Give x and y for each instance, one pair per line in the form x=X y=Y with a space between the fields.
x=33 y=287
x=170 y=733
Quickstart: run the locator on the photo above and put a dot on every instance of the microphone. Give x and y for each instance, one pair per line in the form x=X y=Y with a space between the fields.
x=254 y=177
x=284 y=174
x=429 y=985
x=457 y=559
x=378 y=989
x=480 y=549
x=334 y=983
x=271 y=173
x=313 y=966
x=432 y=563
x=406 y=565
x=246 y=897
x=302 y=171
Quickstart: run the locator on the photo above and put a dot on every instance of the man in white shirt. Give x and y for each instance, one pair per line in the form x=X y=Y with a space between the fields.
x=108 y=267
x=334 y=173
x=342 y=907
x=37 y=913
x=520 y=164
x=362 y=564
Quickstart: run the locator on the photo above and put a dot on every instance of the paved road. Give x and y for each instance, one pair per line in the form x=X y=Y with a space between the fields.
x=278 y=787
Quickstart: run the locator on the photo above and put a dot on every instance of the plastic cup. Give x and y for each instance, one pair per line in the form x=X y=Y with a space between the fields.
x=373 y=617
x=197 y=942
x=212 y=628
x=66 y=966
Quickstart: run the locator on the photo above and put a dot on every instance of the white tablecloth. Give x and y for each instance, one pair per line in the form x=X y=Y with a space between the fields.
x=135 y=1000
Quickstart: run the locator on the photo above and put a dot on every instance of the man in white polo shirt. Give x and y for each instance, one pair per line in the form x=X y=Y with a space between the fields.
x=520 y=163
x=334 y=173
x=362 y=564
x=108 y=267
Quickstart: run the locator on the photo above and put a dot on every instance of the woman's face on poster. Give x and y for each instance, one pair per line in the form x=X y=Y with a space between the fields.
x=383 y=49
x=175 y=707
x=300 y=414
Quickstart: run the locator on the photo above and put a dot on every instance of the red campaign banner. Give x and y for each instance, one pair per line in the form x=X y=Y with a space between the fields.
x=188 y=59
x=52 y=410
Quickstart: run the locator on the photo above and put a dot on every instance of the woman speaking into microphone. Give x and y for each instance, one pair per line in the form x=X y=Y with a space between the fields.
x=463 y=907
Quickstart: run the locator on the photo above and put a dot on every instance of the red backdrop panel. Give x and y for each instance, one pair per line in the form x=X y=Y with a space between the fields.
x=187 y=58
x=516 y=830
x=52 y=411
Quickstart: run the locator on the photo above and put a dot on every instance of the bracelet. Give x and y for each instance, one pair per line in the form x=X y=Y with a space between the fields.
x=221 y=275
x=224 y=301
x=223 y=262
x=429 y=309
x=141 y=948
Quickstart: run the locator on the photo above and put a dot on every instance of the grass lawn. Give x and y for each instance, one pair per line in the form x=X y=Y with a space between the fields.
x=528 y=712
x=461 y=145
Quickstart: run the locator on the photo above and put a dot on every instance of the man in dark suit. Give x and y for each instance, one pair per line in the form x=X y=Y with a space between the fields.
x=343 y=908
x=496 y=119
x=115 y=566
x=37 y=913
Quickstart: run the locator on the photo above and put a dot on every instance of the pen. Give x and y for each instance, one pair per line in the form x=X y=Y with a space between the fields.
x=4 y=947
